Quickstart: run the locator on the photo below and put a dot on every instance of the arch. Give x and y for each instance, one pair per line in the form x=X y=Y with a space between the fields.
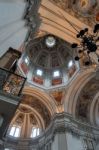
x=94 y=110
x=25 y=126
x=37 y=116
x=73 y=91
x=38 y=103
x=43 y=97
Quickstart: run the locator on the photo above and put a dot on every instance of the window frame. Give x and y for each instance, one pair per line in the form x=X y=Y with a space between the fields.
x=35 y=132
x=15 y=133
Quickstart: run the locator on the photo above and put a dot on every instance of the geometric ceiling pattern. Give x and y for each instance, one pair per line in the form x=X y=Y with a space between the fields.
x=42 y=54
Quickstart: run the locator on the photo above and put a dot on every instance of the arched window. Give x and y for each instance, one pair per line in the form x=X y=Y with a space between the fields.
x=15 y=131
x=35 y=132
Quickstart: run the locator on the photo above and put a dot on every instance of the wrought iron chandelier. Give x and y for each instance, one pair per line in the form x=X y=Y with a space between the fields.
x=89 y=43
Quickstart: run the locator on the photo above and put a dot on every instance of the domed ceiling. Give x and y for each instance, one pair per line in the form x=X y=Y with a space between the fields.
x=49 y=52
x=63 y=18
x=48 y=60
x=39 y=107
x=31 y=113
x=44 y=17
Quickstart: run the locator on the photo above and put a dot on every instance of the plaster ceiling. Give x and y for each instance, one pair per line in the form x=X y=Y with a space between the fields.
x=64 y=17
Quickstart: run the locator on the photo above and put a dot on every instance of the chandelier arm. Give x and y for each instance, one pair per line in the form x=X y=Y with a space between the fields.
x=89 y=43
x=96 y=34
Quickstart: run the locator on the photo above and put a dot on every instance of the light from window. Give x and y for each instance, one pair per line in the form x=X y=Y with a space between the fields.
x=15 y=131
x=27 y=60
x=12 y=131
x=50 y=41
x=35 y=132
x=56 y=73
x=39 y=72
x=70 y=64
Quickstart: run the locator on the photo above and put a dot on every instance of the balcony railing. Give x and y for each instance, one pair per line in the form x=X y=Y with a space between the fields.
x=11 y=82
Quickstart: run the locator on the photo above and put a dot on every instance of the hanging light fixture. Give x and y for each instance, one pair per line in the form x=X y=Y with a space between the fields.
x=89 y=43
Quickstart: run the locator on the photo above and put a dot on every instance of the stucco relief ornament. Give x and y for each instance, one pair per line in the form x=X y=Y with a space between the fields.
x=86 y=10
x=86 y=7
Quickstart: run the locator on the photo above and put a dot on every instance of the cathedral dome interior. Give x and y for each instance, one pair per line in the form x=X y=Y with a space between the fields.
x=31 y=118
x=49 y=74
x=48 y=61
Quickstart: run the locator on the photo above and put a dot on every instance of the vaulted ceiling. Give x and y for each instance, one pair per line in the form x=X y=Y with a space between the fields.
x=65 y=17
x=61 y=18
x=42 y=54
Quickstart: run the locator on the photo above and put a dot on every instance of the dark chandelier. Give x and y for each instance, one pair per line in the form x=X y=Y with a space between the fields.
x=89 y=44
